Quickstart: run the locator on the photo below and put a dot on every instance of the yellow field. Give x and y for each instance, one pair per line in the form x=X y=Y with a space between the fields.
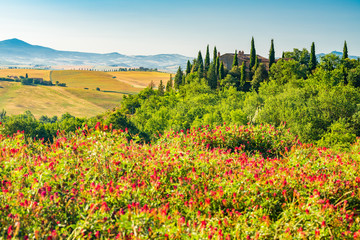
x=32 y=73
x=75 y=99
x=91 y=80
x=42 y=100
x=141 y=79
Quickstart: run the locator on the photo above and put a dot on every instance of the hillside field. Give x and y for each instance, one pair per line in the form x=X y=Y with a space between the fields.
x=79 y=98
x=141 y=79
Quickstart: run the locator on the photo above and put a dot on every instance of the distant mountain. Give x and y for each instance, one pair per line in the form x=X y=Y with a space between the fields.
x=336 y=53
x=18 y=52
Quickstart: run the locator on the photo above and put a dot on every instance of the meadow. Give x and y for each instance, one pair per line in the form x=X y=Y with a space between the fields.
x=79 y=98
x=230 y=182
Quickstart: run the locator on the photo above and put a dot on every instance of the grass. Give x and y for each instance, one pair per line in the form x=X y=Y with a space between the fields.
x=141 y=79
x=91 y=80
x=102 y=99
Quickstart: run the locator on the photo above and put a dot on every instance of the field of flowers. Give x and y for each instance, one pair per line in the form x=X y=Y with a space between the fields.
x=247 y=182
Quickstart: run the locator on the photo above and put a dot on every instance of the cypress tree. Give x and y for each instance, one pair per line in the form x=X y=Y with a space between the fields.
x=243 y=75
x=211 y=76
x=345 y=51
x=199 y=64
x=167 y=89
x=178 y=78
x=283 y=55
x=256 y=64
x=271 y=54
x=313 y=61
x=200 y=60
x=161 y=88
x=252 y=54
x=222 y=71
x=201 y=71
x=207 y=59
x=193 y=66
x=235 y=61
x=215 y=54
x=169 y=84
x=188 y=67
x=217 y=67
x=345 y=75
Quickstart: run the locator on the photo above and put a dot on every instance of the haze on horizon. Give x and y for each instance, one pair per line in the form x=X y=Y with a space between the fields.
x=141 y=27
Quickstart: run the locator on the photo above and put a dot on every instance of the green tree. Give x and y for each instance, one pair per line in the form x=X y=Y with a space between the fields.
x=256 y=65
x=199 y=61
x=217 y=67
x=271 y=54
x=178 y=78
x=221 y=71
x=161 y=88
x=330 y=62
x=229 y=81
x=235 y=61
x=243 y=75
x=26 y=75
x=313 y=61
x=215 y=54
x=169 y=84
x=211 y=77
x=200 y=71
x=188 y=67
x=302 y=56
x=345 y=51
x=193 y=66
x=207 y=60
x=252 y=54
x=339 y=135
x=354 y=77
x=260 y=76
x=284 y=71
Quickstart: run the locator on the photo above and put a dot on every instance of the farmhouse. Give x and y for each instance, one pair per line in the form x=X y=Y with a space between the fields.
x=228 y=58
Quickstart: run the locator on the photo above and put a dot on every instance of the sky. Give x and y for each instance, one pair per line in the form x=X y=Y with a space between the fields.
x=144 y=27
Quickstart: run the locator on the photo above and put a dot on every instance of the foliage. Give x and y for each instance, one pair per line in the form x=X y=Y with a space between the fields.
x=235 y=60
x=207 y=60
x=252 y=54
x=46 y=128
x=284 y=71
x=271 y=54
x=211 y=76
x=161 y=88
x=178 y=78
x=201 y=183
x=313 y=60
x=345 y=51
x=260 y=76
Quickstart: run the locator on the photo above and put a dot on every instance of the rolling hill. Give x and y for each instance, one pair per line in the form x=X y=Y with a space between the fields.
x=79 y=98
x=18 y=52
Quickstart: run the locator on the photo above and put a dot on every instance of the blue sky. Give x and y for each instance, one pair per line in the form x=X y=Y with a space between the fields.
x=146 y=27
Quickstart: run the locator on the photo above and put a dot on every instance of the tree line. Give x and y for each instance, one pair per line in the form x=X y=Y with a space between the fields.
x=242 y=77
